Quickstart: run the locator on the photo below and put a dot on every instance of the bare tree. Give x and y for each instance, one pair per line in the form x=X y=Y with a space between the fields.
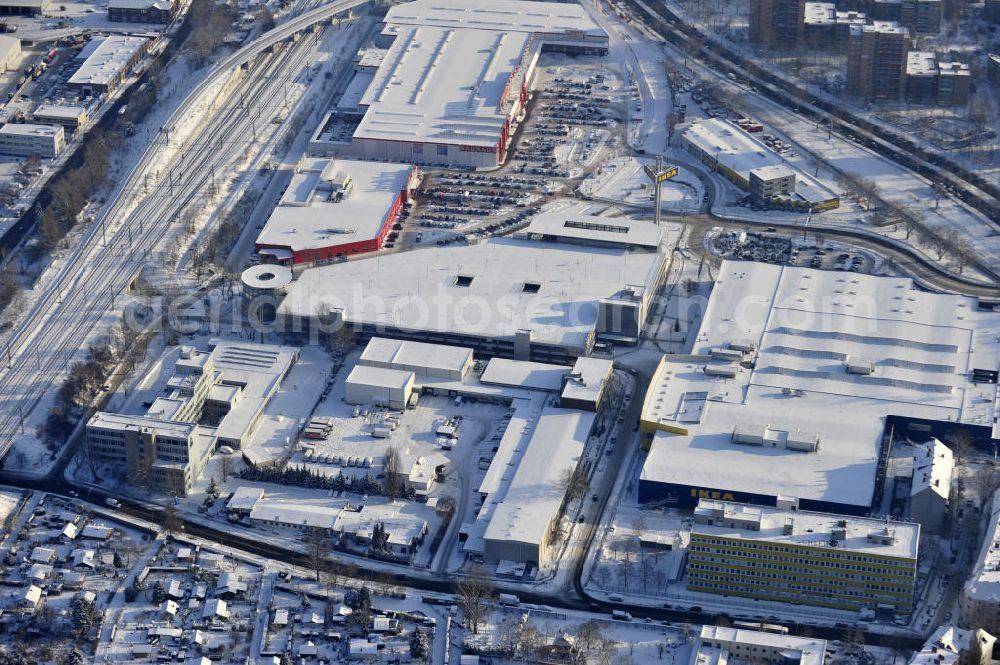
x=317 y=545
x=395 y=483
x=170 y=521
x=573 y=483
x=475 y=591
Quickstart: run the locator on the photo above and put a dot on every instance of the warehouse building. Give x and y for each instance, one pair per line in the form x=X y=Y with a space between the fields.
x=726 y=148
x=379 y=386
x=432 y=361
x=335 y=208
x=24 y=7
x=798 y=377
x=141 y=11
x=45 y=141
x=10 y=52
x=213 y=398
x=794 y=556
x=505 y=297
x=520 y=515
x=718 y=645
x=70 y=117
x=107 y=62
x=454 y=79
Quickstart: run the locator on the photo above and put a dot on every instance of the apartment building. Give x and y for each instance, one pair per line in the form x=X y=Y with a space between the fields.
x=777 y=23
x=822 y=559
x=876 y=61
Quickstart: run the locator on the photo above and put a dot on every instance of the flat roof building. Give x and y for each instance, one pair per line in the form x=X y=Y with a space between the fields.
x=718 y=645
x=585 y=386
x=45 y=141
x=70 y=117
x=503 y=297
x=335 y=208
x=777 y=24
x=454 y=78
x=107 y=62
x=522 y=513
x=141 y=11
x=24 y=7
x=797 y=556
x=930 y=485
x=794 y=378
x=379 y=386
x=425 y=360
x=225 y=389
x=575 y=227
x=10 y=52
x=736 y=153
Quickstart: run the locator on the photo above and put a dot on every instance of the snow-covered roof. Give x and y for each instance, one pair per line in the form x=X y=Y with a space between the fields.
x=244 y=498
x=533 y=495
x=107 y=57
x=820 y=13
x=8 y=44
x=331 y=202
x=984 y=583
x=524 y=374
x=295 y=513
x=419 y=357
x=946 y=645
x=807 y=326
x=808 y=529
x=477 y=290
x=162 y=5
x=716 y=642
x=27 y=129
x=742 y=153
x=921 y=63
x=380 y=377
x=933 y=466
x=267 y=276
x=575 y=226
x=588 y=379
x=445 y=78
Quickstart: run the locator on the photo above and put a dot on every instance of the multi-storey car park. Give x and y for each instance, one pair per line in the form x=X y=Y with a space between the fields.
x=454 y=79
x=526 y=299
x=799 y=380
x=796 y=556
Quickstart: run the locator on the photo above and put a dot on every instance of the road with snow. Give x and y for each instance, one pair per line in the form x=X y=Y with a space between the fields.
x=225 y=119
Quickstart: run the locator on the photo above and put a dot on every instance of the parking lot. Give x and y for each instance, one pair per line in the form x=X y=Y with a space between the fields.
x=771 y=247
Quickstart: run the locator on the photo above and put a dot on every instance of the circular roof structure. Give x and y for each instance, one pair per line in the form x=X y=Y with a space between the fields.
x=267 y=276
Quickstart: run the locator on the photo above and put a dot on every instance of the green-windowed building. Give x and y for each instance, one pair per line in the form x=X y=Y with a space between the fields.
x=804 y=557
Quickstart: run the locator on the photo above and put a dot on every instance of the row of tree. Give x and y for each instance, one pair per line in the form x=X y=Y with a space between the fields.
x=301 y=476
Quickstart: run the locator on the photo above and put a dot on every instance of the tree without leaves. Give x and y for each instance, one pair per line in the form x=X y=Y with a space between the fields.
x=395 y=485
x=317 y=546
x=475 y=591
x=573 y=482
x=170 y=521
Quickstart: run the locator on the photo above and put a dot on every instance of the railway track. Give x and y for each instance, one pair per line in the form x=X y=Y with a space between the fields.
x=968 y=186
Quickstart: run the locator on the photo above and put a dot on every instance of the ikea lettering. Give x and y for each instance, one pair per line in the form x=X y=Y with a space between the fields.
x=711 y=494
